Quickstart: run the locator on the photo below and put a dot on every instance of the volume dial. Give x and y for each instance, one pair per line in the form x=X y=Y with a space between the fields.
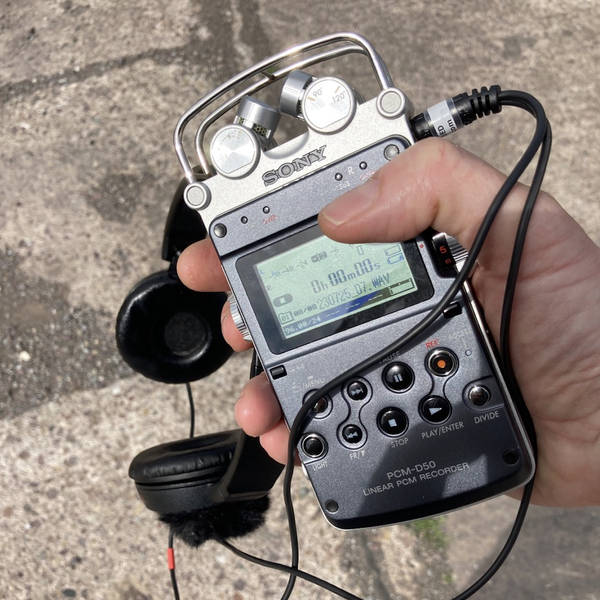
x=459 y=253
x=448 y=254
x=238 y=320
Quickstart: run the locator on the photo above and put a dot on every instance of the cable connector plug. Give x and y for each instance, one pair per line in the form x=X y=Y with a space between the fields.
x=449 y=115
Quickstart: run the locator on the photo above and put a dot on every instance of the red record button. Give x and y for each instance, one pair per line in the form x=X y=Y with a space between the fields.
x=442 y=362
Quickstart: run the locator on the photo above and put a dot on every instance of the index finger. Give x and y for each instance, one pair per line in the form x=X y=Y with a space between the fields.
x=199 y=268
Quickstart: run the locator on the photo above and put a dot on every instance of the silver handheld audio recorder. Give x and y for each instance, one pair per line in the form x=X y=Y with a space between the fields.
x=421 y=432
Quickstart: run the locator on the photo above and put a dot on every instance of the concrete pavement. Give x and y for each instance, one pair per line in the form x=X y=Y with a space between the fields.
x=90 y=92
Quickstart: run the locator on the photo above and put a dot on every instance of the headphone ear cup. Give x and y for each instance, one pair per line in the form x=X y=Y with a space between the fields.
x=180 y=476
x=170 y=333
x=209 y=487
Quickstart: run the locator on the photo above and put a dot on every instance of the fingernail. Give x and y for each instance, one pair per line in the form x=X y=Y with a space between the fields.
x=352 y=204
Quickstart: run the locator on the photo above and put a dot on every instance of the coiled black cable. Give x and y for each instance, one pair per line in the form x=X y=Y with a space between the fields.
x=542 y=138
x=529 y=103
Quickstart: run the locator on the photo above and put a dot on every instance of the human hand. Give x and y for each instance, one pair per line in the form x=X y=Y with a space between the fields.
x=555 y=328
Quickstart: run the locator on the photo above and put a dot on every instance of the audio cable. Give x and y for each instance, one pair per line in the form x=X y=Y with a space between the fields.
x=477 y=105
x=170 y=550
x=440 y=120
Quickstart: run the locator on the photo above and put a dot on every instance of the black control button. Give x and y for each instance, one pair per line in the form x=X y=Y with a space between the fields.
x=452 y=310
x=435 y=409
x=398 y=377
x=442 y=362
x=478 y=395
x=277 y=372
x=357 y=390
x=314 y=445
x=322 y=407
x=352 y=434
x=392 y=421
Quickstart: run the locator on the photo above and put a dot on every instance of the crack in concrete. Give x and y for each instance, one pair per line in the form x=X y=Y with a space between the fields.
x=249 y=31
x=379 y=579
x=192 y=53
x=162 y=56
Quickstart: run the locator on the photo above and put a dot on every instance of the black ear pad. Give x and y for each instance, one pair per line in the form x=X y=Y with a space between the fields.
x=170 y=333
x=214 y=486
x=180 y=476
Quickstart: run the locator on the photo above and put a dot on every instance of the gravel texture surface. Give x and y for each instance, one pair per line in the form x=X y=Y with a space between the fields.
x=90 y=92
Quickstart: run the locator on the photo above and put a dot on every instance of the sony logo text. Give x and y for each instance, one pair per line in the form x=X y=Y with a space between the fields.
x=286 y=169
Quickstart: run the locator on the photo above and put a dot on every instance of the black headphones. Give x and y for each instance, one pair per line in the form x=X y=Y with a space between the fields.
x=208 y=486
x=166 y=331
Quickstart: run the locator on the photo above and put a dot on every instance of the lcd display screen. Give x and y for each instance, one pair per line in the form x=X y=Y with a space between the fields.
x=321 y=281
x=305 y=286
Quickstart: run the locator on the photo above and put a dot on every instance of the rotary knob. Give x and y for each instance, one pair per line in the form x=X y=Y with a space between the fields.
x=238 y=320
x=448 y=253
x=234 y=151
x=327 y=104
x=459 y=253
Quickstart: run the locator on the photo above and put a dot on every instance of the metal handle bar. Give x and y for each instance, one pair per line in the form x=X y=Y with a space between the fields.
x=260 y=84
x=259 y=68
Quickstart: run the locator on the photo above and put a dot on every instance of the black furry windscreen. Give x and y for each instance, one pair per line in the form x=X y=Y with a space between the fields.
x=230 y=519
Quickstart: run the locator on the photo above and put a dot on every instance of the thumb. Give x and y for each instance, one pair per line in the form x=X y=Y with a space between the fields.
x=432 y=184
